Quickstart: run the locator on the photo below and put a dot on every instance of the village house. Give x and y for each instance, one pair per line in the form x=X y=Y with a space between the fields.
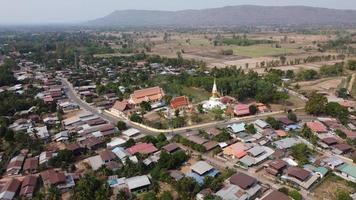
x=200 y=170
x=236 y=151
x=256 y=155
x=121 y=107
x=15 y=165
x=58 y=179
x=300 y=177
x=31 y=165
x=347 y=171
x=10 y=189
x=240 y=187
x=276 y=167
x=171 y=148
x=317 y=127
x=28 y=187
x=142 y=148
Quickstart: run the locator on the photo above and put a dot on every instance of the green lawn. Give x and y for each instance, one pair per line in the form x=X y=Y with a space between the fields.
x=261 y=50
x=196 y=94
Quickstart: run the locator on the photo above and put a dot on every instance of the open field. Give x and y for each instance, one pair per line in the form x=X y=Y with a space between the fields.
x=196 y=94
x=322 y=85
x=327 y=190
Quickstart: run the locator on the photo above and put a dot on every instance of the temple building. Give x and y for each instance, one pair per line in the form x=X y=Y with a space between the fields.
x=214 y=101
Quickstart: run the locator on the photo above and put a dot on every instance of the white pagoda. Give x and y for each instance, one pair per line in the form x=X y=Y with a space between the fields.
x=214 y=101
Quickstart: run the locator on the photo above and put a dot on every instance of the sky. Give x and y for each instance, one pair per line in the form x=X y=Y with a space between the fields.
x=76 y=11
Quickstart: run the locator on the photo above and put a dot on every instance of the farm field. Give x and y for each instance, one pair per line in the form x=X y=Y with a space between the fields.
x=262 y=50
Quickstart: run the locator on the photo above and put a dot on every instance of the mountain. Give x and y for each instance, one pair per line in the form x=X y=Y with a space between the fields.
x=229 y=16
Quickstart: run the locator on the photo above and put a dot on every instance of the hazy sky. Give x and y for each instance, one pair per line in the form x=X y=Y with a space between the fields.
x=72 y=11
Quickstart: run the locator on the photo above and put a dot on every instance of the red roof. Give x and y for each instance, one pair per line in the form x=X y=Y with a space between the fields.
x=179 y=102
x=121 y=105
x=28 y=186
x=143 y=148
x=52 y=177
x=31 y=164
x=298 y=173
x=147 y=94
x=276 y=195
x=242 y=109
x=317 y=127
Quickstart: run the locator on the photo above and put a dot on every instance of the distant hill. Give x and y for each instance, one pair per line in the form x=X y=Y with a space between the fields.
x=230 y=16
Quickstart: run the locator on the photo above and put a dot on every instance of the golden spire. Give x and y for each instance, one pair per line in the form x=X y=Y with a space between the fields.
x=215 y=93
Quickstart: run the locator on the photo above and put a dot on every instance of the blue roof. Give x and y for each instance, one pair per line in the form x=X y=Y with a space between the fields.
x=200 y=179
x=322 y=170
x=236 y=128
x=348 y=169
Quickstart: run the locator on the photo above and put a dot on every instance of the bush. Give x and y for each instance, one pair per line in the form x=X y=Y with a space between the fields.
x=227 y=52
x=295 y=195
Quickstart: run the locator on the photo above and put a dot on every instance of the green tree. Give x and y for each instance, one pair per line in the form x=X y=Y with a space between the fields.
x=251 y=129
x=91 y=188
x=136 y=118
x=123 y=195
x=200 y=108
x=253 y=109
x=334 y=109
x=187 y=188
x=316 y=104
x=166 y=195
x=273 y=122
x=301 y=152
x=63 y=159
x=342 y=93
x=292 y=116
x=340 y=133
x=145 y=106
x=178 y=122
x=121 y=125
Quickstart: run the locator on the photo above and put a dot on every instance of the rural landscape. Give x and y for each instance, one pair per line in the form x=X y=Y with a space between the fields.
x=241 y=102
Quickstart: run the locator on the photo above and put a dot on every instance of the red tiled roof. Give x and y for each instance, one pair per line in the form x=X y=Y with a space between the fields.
x=179 y=102
x=242 y=109
x=317 y=127
x=143 y=148
x=148 y=94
